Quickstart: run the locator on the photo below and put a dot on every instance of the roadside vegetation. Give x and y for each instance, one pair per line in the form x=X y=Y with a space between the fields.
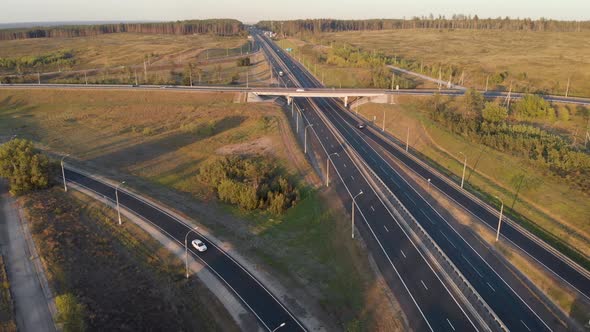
x=161 y=143
x=7 y=316
x=25 y=168
x=110 y=277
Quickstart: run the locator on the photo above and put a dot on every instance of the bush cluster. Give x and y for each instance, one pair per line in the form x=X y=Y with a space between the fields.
x=250 y=183
x=491 y=127
x=24 y=167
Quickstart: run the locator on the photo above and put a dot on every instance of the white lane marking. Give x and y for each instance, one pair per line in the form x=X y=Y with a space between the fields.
x=423 y=284
x=403 y=254
x=410 y=198
x=372 y=208
x=352 y=177
x=490 y=286
x=525 y=325
x=332 y=145
x=383 y=169
x=344 y=165
x=448 y=321
x=473 y=267
x=387 y=230
x=427 y=217
x=451 y=242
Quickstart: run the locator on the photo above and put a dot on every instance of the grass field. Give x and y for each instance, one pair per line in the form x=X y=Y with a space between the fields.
x=157 y=141
x=122 y=49
x=101 y=266
x=550 y=203
x=532 y=60
x=119 y=58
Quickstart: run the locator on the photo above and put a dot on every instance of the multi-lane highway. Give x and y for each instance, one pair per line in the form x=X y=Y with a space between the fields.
x=508 y=297
x=269 y=311
x=571 y=273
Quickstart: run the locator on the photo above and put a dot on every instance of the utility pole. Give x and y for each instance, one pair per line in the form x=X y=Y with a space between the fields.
x=383 y=129
x=136 y=82
x=63 y=172
x=145 y=77
x=186 y=249
x=190 y=73
x=305 y=137
x=567 y=89
x=439 y=78
x=353 y=204
x=392 y=79
x=117 y=198
x=328 y=167
x=500 y=219
x=508 y=97
x=297 y=122
x=462 y=77
x=464 y=167
x=408 y=139
x=38 y=78
x=487 y=81
x=247 y=77
x=85 y=78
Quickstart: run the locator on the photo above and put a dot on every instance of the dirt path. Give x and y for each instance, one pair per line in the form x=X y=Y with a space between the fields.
x=31 y=304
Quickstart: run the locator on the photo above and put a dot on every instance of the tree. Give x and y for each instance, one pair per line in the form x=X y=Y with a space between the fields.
x=474 y=101
x=533 y=106
x=24 y=167
x=243 y=62
x=494 y=112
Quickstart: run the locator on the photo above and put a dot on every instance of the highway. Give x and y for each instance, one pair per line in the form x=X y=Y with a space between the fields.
x=510 y=300
x=425 y=299
x=571 y=273
x=269 y=311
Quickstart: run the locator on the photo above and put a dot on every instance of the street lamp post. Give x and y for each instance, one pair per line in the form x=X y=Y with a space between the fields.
x=499 y=219
x=383 y=129
x=305 y=137
x=117 y=199
x=186 y=249
x=63 y=172
x=464 y=167
x=408 y=140
x=353 y=204
x=328 y=167
x=278 y=327
x=428 y=184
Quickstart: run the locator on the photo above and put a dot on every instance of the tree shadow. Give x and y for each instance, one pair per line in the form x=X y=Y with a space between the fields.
x=154 y=148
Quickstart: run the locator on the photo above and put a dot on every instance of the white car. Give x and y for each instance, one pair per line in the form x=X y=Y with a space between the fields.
x=199 y=245
x=300 y=90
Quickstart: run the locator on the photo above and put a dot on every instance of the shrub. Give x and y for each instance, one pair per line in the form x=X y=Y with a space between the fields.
x=250 y=183
x=70 y=313
x=24 y=167
x=493 y=112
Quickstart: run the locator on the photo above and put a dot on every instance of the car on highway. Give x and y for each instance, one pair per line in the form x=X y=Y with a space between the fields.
x=300 y=90
x=360 y=125
x=199 y=245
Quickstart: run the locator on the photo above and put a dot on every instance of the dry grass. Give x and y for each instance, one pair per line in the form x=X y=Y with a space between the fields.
x=552 y=204
x=534 y=60
x=121 y=49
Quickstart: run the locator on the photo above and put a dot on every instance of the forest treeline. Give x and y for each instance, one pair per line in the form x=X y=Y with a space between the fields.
x=297 y=27
x=220 y=27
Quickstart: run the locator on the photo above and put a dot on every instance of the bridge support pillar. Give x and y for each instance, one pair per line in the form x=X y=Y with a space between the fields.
x=289 y=100
x=346 y=101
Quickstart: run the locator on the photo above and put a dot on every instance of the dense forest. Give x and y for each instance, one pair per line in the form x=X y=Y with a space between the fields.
x=508 y=130
x=221 y=27
x=295 y=27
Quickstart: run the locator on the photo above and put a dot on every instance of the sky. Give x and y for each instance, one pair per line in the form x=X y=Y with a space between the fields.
x=251 y=11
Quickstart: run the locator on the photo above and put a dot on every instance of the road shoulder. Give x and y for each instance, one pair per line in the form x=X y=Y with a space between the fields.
x=33 y=301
